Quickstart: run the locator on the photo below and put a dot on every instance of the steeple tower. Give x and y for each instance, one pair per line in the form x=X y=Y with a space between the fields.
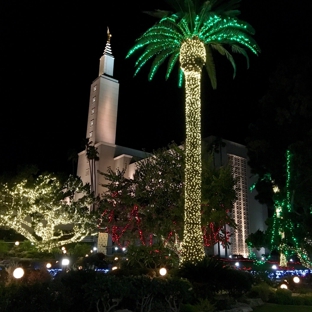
x=103 y=104
x=107 y=59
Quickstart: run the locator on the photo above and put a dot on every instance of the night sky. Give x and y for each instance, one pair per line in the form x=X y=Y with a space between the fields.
x=49 y=56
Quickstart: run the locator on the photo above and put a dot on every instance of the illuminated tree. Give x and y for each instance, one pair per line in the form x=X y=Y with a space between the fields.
x=149 y=207
x=284 y=228
x=190 y=35
x=47 y=212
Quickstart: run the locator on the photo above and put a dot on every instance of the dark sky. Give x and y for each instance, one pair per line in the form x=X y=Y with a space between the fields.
x=49 y=56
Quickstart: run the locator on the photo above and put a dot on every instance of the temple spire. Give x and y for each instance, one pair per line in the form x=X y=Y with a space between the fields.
x=108 y=49
x=107 y=59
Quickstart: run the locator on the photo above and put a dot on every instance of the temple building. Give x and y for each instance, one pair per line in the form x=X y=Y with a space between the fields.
x=249 y=215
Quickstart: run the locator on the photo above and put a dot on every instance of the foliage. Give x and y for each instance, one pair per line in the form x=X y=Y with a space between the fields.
x=137 y=293
x=282 y=296
x=204 y=305
x=4 y=248
x=79 y=249
x=92 y=155
x=47 y=211
x=262 y=290
x=205 y=20
x=95 y=261
x=149 y=206
x=155 y=256
x=91 y=291
x=258 y=239
x=211 y=275
x=73 y=286
x=284 y=122
x=32 y=298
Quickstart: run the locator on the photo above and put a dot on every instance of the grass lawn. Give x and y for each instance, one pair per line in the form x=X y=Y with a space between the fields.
x=270 y=307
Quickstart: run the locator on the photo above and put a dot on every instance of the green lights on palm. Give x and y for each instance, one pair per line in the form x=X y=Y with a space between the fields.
x=190 y=36
x=282 y=233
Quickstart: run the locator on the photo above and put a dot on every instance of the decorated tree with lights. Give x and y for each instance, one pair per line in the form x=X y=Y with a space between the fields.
x=47 y=212
x=191 y=35
x=286 y=232
x=149 y=207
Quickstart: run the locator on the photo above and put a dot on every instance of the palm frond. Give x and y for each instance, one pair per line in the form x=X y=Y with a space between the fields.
x=150 y=53
x=210 y=67
x=214 y=22
x=159 y=59
x=158 y=13
x=224 y=51
x=238 y=49
x=226 y=7
x=181 y=78
x=171 y=62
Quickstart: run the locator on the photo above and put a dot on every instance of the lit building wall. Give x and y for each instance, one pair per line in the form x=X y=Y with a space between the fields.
x=240 y=211
x=248 y=213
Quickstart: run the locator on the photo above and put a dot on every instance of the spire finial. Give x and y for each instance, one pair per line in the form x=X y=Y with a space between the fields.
x=109 y=35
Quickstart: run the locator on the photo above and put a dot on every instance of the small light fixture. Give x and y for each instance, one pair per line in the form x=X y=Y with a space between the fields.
x=284 y=286
x=18 y=273
x=114 y=268
x=237 y=264
x=65 y=261
x=162 y=271
x=296 y=279
x=274 y=267
x=48 y=265
x=16 y=243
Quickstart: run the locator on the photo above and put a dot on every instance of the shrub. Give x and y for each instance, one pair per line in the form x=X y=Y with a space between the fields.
x=237 y=283
x=4 y=248
x=263 y=291
x=204 y=276
x=302 y=300
x=283 y=296
x=32 y=298
x=150 y=257
x=188 y=308
x=204 y=305
x=73 y=285
x=210 y=276
x=36 y=276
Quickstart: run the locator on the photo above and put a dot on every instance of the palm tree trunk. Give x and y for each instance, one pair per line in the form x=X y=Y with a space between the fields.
x=193 y=244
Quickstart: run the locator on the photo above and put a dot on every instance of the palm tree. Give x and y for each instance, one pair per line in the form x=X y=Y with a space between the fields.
x=191 y=35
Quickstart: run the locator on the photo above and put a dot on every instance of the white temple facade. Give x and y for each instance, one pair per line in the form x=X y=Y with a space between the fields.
x=249 y=215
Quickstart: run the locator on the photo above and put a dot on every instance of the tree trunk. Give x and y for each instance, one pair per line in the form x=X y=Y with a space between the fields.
x=192 y=57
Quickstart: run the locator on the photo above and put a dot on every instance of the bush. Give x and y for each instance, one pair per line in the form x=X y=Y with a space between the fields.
x=4 y=248
x=237 y=283
x=282 y=296
x=302 y=300
x=210 y=276
x=32 y=298
x=204 y=276
x=150 y=257
x=73 y=285
x=263 y=291
x=204 y=305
